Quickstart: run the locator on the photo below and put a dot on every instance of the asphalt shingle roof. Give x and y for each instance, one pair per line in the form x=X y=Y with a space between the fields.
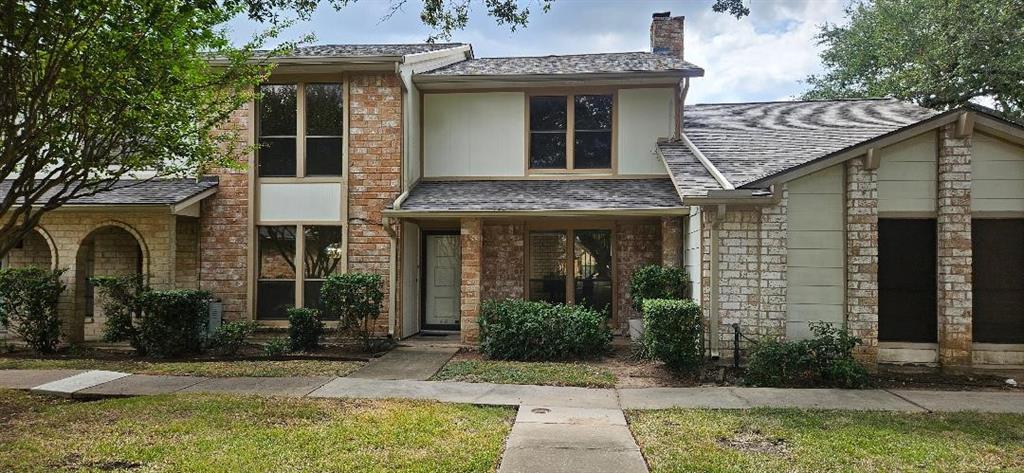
x=689 y=175
x=366 y=50
x=520 y=195
x=751 y=141
x=570 y=64
x=139 y=192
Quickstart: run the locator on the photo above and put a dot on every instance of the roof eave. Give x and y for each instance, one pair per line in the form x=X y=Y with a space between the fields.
x=544 y=79
x=637 y=212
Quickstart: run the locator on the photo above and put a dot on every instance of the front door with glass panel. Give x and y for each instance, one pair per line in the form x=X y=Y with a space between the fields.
x=442 y=281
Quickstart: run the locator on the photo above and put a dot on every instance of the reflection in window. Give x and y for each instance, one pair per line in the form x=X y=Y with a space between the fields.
x=548 y=266
x=277 y=130
x=592 y=264
x=548 y=121
x=275 y=286
x=323 y=255
x=324 y=117
x=592 y=145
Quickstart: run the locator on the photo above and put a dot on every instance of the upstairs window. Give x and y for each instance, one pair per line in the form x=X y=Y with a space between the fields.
x=301 y=130
x=571 y=132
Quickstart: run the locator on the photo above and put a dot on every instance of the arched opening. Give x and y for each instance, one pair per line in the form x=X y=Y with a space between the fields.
x=32 y=251
x=109 y=250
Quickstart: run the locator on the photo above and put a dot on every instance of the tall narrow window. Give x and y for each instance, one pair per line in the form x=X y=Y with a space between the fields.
x=323 y=256
x=998 y=280
x=548 y=266
x=592 y=140
x=592 y=265
x=275 y=287
x=277 y=130
x=548 y=125
x=324 y=117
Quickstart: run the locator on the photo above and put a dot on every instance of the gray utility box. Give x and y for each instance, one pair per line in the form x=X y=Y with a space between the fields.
x=216 y=315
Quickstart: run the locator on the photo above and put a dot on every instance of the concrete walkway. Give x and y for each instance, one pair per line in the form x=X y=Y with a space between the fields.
x=91 y=384
x=407 y=362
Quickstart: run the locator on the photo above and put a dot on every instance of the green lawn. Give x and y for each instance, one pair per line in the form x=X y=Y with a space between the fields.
x=220 y=433
x=812 y=441
x=517 y=372
x=216 y=369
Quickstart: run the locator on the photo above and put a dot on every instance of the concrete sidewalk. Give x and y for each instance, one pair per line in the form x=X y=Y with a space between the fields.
x=92 y=384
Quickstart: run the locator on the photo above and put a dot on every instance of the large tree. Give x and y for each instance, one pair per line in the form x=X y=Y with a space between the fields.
x=938 y=53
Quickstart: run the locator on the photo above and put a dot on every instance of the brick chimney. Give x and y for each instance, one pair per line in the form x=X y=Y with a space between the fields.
x=667 y=34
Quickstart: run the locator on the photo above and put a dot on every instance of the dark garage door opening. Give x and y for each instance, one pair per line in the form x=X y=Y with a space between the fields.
x=907 y=289
x=998 y=280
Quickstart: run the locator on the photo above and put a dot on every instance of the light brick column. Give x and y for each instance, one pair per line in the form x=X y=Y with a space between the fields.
x=954 y=249
x=672 y=242
x=472 y=254
x=862 y=258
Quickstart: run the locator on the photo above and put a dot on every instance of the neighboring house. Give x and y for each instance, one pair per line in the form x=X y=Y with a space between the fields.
x=463 y=179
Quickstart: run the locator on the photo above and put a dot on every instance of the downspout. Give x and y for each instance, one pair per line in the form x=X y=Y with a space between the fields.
x=715 y=316
x=392 y=273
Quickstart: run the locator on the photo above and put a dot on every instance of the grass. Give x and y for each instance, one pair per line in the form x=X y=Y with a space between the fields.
x=795 y=440
x=518 y=372
x=223 y=433
x=214 y=369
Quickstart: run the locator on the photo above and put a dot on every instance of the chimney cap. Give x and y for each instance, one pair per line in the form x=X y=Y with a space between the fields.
x=664 y=14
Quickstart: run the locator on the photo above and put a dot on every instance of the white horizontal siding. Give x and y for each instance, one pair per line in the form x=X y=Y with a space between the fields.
x=692 y=255
x=907 y=175
x=997 y=175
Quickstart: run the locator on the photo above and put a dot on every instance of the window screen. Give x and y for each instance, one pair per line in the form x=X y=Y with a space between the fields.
x=548 y=125
x=592 y=145
x=907 y=292
x=998 y=280
x=548 y=266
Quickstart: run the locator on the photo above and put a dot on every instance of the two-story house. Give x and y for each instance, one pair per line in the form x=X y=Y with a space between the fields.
x=462 y=179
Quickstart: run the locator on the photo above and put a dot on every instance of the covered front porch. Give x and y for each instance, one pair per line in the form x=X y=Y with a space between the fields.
x=537 y=240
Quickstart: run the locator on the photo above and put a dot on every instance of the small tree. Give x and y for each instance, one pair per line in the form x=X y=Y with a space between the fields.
x=658 y=282
x=356 y=299
x=28 y=305
x=121 y=307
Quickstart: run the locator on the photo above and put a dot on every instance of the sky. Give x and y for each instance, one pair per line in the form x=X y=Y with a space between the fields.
x=764 y=56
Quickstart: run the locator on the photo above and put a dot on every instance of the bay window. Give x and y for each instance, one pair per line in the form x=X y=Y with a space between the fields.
x=571 y=266
x=571 y=132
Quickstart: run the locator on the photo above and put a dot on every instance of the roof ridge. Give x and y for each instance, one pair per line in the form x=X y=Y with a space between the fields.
x=715 y=173
x=568 y=55
x=864 y=99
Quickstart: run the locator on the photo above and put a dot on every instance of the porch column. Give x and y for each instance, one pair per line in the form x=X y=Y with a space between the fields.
x=954 y=249
x=862 y=258
x=672 y=242
x=472 y=251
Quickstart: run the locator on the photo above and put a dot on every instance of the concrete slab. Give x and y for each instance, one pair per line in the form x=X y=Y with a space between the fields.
x=294 y=386
x=569 y=415
x=549 y=396
x=71 y=385
x=953 y=401
x=609 y=438
x=845 y=399
x=457 y=392
x=686 y=398
x=27 y=379
x=140 y=385
x=410 y=362
x=557 y=461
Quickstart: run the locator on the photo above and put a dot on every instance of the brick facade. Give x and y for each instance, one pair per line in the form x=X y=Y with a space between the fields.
x=672 y=241
x=472 y=256
x=503 y=270
x=637 y=244
x=954 y=249
x=862 y=257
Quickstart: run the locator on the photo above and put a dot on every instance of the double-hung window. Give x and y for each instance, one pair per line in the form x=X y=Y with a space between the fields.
x=571 y=132
x=301 y=130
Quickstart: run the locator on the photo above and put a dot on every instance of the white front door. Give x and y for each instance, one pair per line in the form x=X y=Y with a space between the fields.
x=443 y=279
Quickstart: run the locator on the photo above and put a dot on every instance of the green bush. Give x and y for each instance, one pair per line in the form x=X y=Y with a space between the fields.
x=527 y=331
x=173 y=323
x=355 y=298
x=826 y=359
x=658 y=282
x=304 y=329
x=231 y=336
x=121 y=307
x=276 y=347
x=674 y=333
x=28 y=305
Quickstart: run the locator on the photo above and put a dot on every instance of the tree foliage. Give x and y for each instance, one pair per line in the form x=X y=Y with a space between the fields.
x=938 y=53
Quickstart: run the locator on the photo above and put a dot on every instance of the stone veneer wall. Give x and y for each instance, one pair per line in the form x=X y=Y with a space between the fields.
x=34 y=252
x=954 y=251
x=862 y=257
x=374 y=173
x=503 y=270
x=637 y=244
x=471 y=240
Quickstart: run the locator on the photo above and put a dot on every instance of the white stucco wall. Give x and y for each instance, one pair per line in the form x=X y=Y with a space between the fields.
x=644 y=116
x=474 y=134
x=815 y=263
x=997 y=173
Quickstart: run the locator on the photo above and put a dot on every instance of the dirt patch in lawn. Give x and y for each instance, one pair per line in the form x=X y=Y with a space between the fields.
x=752 y=440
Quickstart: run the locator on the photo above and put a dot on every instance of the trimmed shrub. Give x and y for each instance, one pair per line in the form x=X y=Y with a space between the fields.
x=231 y=336
x=28 y=305
x=173 y=322
x=276 y=347
x=527 y=331
x=825 y=359
x=674 y=333
x=121 y=307
x=304 y=329
x=355 y=298
x=658 y=282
